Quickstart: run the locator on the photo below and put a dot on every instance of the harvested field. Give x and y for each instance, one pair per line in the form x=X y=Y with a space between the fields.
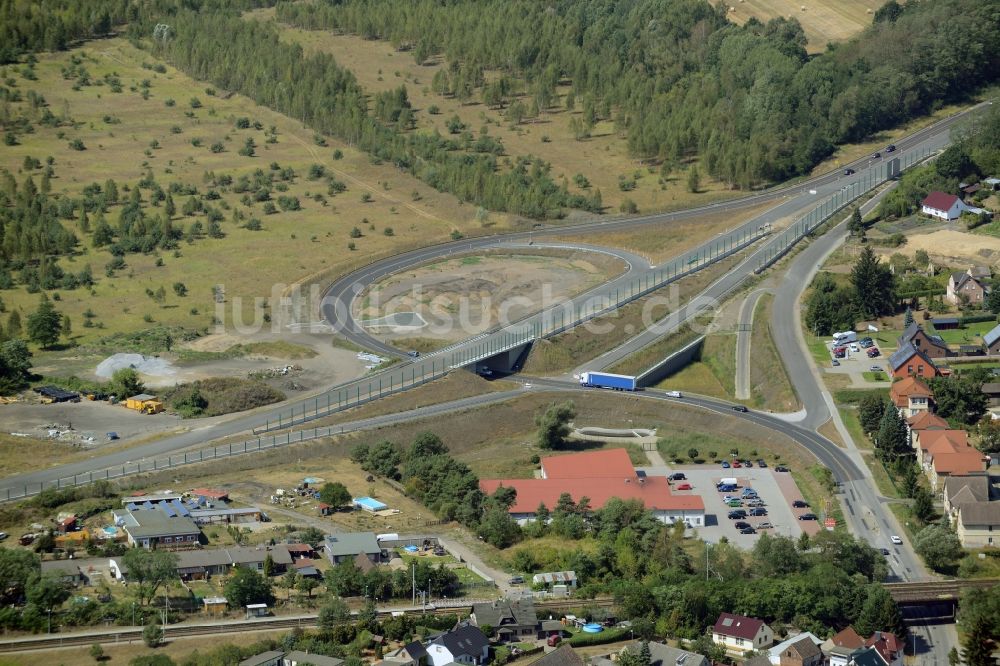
x=823 y=21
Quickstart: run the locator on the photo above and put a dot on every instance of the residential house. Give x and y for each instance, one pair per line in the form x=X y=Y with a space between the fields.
x=991 y=341
x=944 y=453
x=932 y=346
x=840 y=647
x=888 y=646
x=943 y=206
x=412 y=654
x=463 y=645
x=966 y=287
x=867 y=657
x=978 y=524
x=798 y=650
x=908 y=361
x=922 y=421
x=992 y=392
x=564 y=655
x=508 y=620
x=599 y=476
x=963 y=490
x=290 y=658
x=911 y=396
x=68 y=571
x=344 y=546
x=740 y=634
x=157 y=526
x=553 y=579
x=660 y=655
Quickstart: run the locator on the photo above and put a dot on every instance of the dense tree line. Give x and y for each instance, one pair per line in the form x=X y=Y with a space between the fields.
x=870 y=293
x=53 y=24
x=248 y=57
x=684 y=80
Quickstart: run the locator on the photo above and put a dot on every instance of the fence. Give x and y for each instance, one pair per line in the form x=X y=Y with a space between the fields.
x=542 y=325
x=873 y=178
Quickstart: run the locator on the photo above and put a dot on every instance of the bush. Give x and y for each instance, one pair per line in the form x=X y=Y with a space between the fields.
x=152 y=635
x=973 y=319
x=606 y=636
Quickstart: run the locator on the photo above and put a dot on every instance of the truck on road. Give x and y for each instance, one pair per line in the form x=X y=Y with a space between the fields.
x=608 y=380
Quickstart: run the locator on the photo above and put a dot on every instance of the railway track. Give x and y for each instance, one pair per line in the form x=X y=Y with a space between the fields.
x=131 y=634
x=946 y=590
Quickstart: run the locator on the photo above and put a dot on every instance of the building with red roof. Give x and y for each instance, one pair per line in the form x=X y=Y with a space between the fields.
x=942 y=205
x=911 y=395
x=740 y=634
x=888 y=646
x=599 y=476
x=211 y=494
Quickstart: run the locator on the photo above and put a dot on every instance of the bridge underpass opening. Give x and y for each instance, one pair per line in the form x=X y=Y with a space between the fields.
x=505 y=362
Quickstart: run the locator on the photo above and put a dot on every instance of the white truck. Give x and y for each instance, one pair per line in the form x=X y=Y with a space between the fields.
x=845 y=337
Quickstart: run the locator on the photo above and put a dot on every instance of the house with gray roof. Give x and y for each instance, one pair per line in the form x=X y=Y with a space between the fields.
x=991 y=341
x=507 y=620
x=465 y=644
x=867 y=657
x=660 y=655
x=290 y=658
x=158 y=526
x=933 y=346
x=344 y=546
x=68 y=571
x=202 y=564
x=563 y=655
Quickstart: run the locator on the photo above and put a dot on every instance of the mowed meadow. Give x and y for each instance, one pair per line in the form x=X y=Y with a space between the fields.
x=168 y=132
x=602 y=159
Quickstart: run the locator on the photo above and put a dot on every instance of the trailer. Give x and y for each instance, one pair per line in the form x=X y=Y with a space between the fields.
x=608 y=380
x=845 y=337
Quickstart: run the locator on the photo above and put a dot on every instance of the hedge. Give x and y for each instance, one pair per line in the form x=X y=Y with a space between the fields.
x=974 y=319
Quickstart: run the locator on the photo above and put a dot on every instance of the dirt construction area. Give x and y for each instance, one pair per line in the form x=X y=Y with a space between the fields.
x=953 y=247
x=462 y=296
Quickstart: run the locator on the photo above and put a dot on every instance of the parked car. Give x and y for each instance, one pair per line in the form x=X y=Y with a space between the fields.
x=780 y=468
x=741 y=524
x=876 y=368
x=726 y=488
x=725 y=465
x=678 y=476
x=737 y=514
x=734 y=503
x=896 y=540
x=3 y=536
x=800 y=504
x=835 y=363
x=737 y=465
x=758 y=511
x=866 y=342
x=748 y=530
x=756 y=502
x=765 y=526
x=516 y=580
x=729 y=498
x=740 y=408
x=808 y=516
x=554 y=640
x=748 y=463
x=748 y=492
x=848 y=172
x=684 y=486
x=891 y=148
x=855 y=348
x=874 y=352
x=761 y=462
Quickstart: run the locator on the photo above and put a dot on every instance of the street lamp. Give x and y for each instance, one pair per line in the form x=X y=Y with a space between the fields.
x=50 y=620
x=133 y=613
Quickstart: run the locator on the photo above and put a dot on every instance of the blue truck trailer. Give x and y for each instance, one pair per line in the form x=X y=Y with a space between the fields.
x=607 y=380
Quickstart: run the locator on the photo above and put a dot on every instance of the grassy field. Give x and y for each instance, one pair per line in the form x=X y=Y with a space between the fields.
x=668 y=240
x=770 y=387
x=969 y=334
x=645 y=358
x=713 y=375
x=823 y=21
x=379 y=66
x=292 y=247
x=568 y=350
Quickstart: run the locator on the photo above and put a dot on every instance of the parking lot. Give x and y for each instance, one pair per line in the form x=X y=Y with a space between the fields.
x=855 y=362
x=776 y=489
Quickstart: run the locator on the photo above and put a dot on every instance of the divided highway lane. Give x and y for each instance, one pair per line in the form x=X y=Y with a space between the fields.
x=343 y=290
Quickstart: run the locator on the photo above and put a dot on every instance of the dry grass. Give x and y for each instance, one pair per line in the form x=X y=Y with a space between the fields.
x=303 y=246
x=645 y=358
x=770 y=386
x=823 y=21
x=568 y=350
x=671 y=239
x=14 y=458
x=378 y=67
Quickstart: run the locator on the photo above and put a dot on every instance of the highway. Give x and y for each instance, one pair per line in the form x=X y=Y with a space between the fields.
x=338 y=298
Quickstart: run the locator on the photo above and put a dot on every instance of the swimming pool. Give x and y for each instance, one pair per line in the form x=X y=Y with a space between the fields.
x=593 y=628
x=369 y=504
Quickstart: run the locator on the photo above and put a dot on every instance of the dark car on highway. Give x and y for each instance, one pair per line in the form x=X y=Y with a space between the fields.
x=848 y=172
x=740 y=408
x=891 y=148
x=876 y=155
